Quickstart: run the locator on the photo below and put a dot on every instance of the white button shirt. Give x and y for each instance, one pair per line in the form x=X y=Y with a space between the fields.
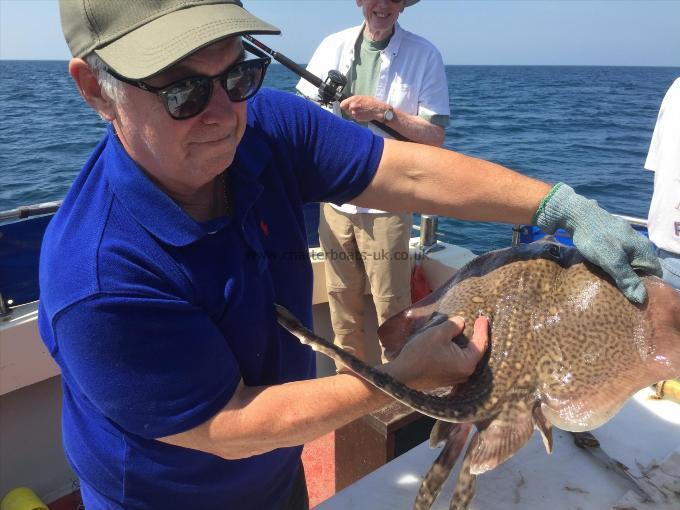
x=411 y=77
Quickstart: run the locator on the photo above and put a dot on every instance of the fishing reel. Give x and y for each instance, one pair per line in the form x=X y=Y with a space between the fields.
x=331 y=89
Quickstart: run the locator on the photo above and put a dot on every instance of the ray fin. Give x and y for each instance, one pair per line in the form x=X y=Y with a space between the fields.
x=502 y=436
x=544 y=427
x=442 y=466
x=466 y=483
x=396 y=331
x=440 y=432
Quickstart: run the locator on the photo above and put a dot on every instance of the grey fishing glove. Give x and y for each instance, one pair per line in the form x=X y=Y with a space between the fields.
x=603 y=239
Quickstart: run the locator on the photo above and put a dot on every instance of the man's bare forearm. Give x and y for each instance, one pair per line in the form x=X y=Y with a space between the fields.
x=417 y=129
x=413 y=177
x=413 y=127
x=261 y=419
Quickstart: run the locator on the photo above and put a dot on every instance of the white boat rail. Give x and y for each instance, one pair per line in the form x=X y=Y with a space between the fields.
x=429 y=234
x=640 y=222
x=427 y=228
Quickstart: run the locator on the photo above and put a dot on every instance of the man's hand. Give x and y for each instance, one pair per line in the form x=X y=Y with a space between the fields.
x=432 y=360
x=603 y=239
x=364 y=108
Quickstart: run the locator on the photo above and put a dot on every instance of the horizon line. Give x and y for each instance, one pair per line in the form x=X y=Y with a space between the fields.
x=481 y=65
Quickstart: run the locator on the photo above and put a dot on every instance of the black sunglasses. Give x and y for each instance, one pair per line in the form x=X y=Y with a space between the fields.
x=188 y=97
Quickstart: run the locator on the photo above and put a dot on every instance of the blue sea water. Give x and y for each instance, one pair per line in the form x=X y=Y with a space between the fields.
x=587 y=126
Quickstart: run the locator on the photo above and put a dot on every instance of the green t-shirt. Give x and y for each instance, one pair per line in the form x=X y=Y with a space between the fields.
x=363 y=75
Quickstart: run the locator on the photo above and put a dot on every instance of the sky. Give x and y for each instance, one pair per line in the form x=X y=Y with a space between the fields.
x=477 y=32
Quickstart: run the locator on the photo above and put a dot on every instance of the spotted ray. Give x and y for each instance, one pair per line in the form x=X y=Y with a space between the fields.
x=567 y=349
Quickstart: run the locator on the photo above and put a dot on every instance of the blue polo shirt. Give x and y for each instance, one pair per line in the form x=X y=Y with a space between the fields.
x=154 y=318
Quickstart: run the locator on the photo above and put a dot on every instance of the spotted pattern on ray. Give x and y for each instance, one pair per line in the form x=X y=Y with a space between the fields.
x=567 y=349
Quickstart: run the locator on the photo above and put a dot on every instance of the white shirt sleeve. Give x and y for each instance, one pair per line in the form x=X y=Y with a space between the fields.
x=434 y=96
x=666 y=136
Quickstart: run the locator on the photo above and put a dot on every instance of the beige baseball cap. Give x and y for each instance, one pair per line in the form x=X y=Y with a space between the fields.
x=139 y=38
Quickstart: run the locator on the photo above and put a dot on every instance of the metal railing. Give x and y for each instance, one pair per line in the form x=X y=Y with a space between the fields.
x=640 y=222
x=429 y=234
x=4 y=307
x=30 y=210
x=427 y=229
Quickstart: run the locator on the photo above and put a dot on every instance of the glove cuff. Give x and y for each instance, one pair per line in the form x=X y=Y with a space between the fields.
x=550 y=214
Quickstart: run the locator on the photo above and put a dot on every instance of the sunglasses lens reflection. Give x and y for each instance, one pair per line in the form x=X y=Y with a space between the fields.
x=190 y=97
x=243 y=81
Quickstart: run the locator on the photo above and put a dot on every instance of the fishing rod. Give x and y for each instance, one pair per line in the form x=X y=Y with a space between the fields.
x=329 y=90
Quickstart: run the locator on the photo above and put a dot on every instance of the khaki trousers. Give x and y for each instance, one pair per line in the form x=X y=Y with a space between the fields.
x=361 y=247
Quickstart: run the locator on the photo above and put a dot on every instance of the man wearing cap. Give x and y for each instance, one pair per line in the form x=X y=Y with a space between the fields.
x=397 y=78
x=160 y=271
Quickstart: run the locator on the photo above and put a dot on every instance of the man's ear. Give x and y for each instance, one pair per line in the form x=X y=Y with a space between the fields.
x=360 y=3
x=88 y=86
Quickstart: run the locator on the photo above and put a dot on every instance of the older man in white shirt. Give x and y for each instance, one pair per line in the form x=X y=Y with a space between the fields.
x=397 y=78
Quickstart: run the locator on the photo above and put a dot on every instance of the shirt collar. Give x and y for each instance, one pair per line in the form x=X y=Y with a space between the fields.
x=395 y=40
x=158 y=213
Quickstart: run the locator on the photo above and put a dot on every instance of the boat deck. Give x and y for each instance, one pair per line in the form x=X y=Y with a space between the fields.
x=645 y=436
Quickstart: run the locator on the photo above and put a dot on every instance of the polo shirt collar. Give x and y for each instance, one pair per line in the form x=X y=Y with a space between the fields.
x=158 y=213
